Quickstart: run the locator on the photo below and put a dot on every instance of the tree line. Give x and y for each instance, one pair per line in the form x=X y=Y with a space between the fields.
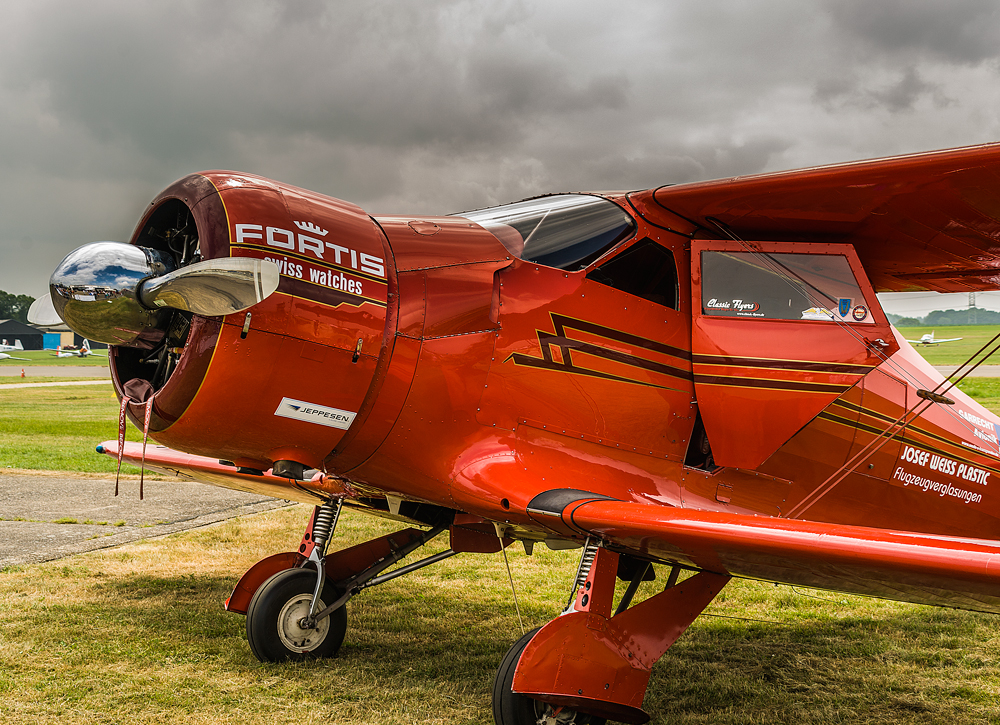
x=944 y=318
x=14 y=307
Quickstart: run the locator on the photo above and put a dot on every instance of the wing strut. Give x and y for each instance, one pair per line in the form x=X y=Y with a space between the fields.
x=599 y=663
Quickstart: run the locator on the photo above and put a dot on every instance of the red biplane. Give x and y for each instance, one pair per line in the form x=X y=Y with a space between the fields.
x=698 y=377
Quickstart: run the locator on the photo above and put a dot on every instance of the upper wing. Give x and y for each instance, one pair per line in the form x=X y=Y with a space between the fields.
x=904 y=566
x=922 y=222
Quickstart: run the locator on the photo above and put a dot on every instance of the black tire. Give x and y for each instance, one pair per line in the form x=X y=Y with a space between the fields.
x=277 y=607
x=510 y=708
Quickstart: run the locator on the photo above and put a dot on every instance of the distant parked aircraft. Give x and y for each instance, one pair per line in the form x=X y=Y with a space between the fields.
x=929 y=339
x=5 y=356
x=16 y=346
x=84 y=351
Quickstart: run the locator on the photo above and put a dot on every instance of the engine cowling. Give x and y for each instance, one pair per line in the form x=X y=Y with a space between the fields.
x=283 y=380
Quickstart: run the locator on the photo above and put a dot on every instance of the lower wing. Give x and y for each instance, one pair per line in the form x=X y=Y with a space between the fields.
x=899 y=565
x=208 y=470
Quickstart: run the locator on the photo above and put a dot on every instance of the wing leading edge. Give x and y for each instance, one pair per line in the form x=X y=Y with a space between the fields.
x=207 y=470
x=909 y=567
x=927 y=221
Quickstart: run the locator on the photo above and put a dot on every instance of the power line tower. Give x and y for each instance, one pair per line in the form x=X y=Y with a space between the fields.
x=972 y=306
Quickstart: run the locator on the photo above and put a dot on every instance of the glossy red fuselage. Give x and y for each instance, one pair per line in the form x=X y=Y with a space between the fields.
x=432 y=364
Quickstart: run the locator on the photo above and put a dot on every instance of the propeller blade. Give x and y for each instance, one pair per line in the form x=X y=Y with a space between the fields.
x=212 y=288
x=42 y=313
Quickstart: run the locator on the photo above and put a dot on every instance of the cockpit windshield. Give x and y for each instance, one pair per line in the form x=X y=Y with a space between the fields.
x=568 y=231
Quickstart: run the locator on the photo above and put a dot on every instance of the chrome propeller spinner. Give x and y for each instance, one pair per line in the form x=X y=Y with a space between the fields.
x=121 y=294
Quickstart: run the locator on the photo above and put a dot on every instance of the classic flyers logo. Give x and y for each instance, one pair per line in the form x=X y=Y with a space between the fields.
x=737 y=306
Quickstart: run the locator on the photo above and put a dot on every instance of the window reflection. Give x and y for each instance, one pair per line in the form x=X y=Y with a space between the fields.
x=568 y=231
x=776 y=286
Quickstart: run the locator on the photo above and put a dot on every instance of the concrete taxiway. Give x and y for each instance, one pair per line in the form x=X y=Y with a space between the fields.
x=31 y=504
x=49 y=515
x=11 y=369
x=983 y=371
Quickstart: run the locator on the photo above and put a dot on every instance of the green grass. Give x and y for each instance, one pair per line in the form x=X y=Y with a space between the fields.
x=137 y=634
x=953 y=353
x=58 y=428
x=48 y=357
x=986 y=391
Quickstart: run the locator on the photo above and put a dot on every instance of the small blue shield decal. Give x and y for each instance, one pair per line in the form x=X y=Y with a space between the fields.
x=843 y=306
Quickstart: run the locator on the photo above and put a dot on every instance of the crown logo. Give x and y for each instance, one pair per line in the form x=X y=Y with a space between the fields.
x=310 y=227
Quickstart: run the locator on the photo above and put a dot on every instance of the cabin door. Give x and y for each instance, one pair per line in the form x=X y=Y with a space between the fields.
x=779 y=330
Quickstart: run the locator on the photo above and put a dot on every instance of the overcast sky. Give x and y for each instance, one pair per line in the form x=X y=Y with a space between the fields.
x=435 y=107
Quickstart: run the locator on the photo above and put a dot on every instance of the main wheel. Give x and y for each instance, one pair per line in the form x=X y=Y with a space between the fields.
x=510 y=708
x=275 y=614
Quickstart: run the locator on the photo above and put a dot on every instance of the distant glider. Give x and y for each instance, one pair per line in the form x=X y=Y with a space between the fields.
x=929 y=339
x=83 y=351
x=5 y=356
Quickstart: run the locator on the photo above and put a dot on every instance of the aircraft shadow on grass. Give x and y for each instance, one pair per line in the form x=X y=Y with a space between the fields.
x=734 y=668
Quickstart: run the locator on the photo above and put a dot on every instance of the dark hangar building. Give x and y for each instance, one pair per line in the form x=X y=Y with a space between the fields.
x=11 y=330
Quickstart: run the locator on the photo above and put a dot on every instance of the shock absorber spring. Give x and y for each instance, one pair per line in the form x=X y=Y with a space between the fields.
x=325 y=522
x=586 y=561
x=587 y=557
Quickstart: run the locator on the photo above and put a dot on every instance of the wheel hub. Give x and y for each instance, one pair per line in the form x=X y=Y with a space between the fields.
x=548 y=715
x=291 y=619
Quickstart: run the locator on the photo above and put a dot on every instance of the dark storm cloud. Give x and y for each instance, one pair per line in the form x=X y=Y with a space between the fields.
x=888 y=48
x=957 y=31
x=173 y=79
x=900 y=91
x=452 y=104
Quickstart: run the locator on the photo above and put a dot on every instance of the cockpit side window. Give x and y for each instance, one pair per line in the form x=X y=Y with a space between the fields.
x=568 y=231
x=645 y=270
x=782 y=286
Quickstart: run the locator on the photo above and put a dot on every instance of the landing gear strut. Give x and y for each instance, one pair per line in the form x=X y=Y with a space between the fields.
x=281 y=619
x=590 y=664
x=295 y=611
